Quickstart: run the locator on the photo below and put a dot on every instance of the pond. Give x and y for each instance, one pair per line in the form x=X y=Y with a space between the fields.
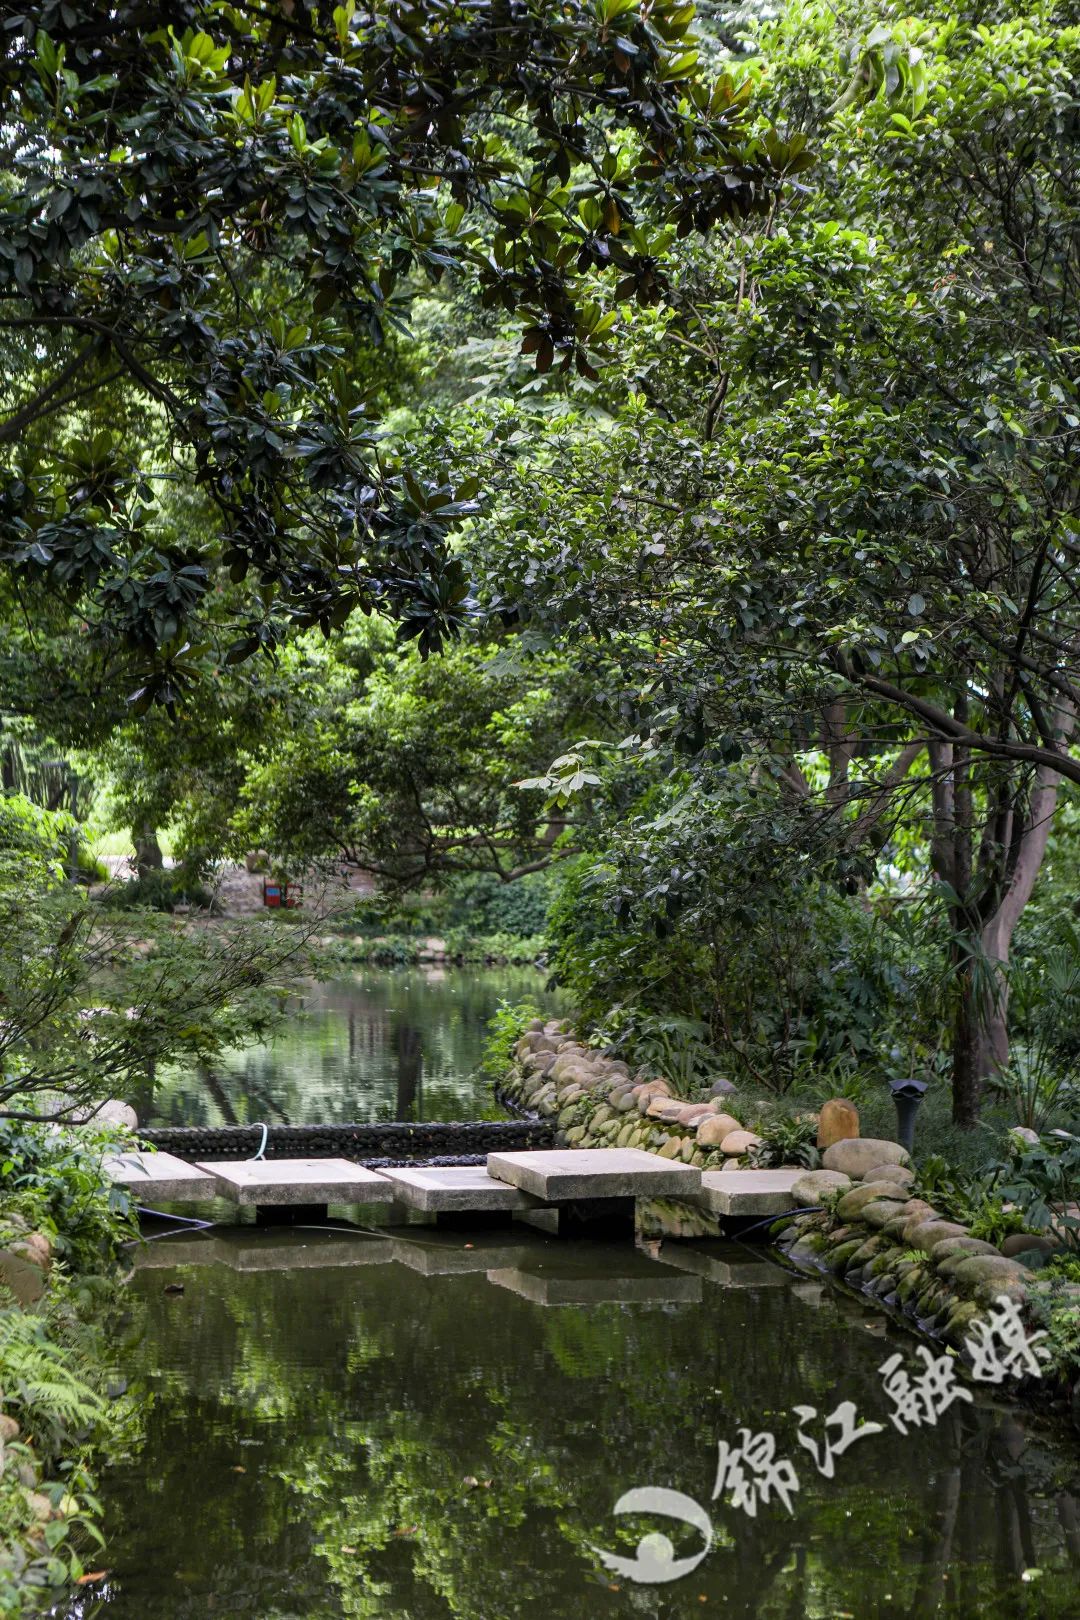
x=374 y=1044
x=430 y=1424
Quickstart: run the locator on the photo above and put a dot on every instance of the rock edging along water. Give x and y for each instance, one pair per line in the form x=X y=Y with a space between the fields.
x=873 y=1235
x=389 y=1144
x=595 y=1101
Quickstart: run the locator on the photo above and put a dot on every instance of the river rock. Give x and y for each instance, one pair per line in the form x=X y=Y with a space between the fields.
x=9 y=1429
x=23 y=1276
x=1024 y=1242
x=879 y=1214
x=813 y=1187
x=712 y=1130
x=538 y=1062
x=721 y=1088
x=837 y=1122
x=854 y=1202
x=738 y=1142
x=565 y=1069
x=921 y=1233
x=970 y=1270
x=960 y=1245
x=666 y=1108
x=899 y=1174
x=855 y=1157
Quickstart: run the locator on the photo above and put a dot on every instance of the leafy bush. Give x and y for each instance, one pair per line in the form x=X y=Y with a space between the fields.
x=505 y=1029
x=787 y=1141
x=1043 y=1180
x=954 y=1194
x=993 y=1224
x=671 y=1047
x=484 y=905
x=162 y=890
x=53 y=1181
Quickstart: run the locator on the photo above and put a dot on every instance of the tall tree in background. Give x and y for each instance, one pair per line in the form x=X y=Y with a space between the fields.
x=842 y=522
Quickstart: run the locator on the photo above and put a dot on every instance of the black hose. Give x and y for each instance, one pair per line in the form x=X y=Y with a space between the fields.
x=770 y=1220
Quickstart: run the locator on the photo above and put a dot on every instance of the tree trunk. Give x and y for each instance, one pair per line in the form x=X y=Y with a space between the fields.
x=966 y=1050
x=148 y=855
x=995 y=938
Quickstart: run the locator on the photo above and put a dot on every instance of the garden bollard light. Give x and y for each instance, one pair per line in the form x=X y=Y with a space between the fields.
x=907 y=1095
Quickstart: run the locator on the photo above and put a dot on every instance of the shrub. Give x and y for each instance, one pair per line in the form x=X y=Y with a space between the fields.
x=787 y=1141
x=505 y=1029
x=53 y=1180
x=162 y=890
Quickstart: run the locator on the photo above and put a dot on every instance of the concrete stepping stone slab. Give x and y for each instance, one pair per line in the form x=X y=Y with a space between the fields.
x=440 y=1189
x=748 y=1192
x=297 y=1181
x=584 y=1173
x=158 y=1177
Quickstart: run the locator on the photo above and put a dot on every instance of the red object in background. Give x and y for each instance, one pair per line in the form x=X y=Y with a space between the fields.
x=276 y=895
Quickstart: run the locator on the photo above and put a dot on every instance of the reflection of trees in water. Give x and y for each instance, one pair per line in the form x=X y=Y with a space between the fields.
x=358 y=1049
x=372 y=1396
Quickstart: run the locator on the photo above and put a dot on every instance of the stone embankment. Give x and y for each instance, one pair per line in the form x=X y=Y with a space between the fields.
x=872 y=1234
x=595 y=1101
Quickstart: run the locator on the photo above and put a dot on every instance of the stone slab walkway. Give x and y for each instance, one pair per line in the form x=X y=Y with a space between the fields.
x=158 y=1177
x=748 y=1192
x=582 y=1173
x=445 y=1189
x=297 y=1181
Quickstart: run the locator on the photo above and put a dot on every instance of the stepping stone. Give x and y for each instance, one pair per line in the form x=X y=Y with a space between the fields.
x=158 y=1177
x=307 y=1182
x=746 y=1193
x=586 y=1173
x=463 y=1187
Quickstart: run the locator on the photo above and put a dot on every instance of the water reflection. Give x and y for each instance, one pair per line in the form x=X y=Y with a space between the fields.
x=354 y=1439
x=381 y=1044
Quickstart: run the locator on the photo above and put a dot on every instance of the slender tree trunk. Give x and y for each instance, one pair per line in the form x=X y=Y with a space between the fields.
x=966 y=1049
x=997 y=932
x=148 y=855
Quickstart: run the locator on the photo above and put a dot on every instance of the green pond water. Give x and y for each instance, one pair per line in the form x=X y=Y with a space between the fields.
x=375 y=1044
x=425 y=1424
x=335 y=1425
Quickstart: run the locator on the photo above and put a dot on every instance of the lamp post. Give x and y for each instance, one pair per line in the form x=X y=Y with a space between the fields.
x=907 y=1095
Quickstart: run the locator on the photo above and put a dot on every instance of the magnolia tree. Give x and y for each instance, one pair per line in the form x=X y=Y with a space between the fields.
x=209 y=211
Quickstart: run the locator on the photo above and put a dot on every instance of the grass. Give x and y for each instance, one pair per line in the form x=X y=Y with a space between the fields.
x=935 y=1133
x=121 y=842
